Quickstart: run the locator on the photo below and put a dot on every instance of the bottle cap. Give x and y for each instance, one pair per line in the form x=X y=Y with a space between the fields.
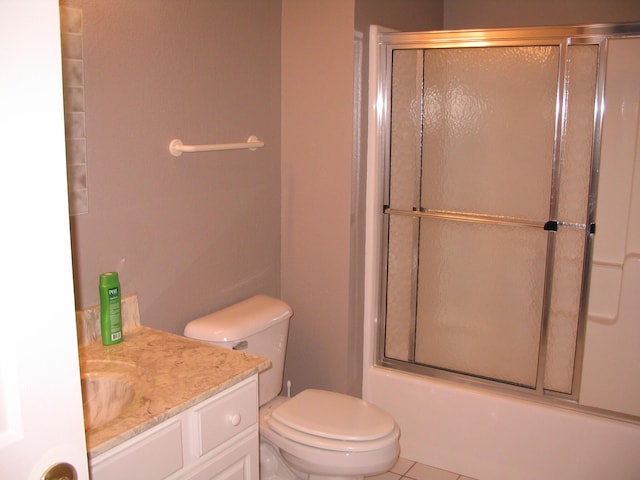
x=109 y=278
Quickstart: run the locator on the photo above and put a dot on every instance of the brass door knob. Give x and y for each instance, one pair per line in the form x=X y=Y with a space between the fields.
x=60 y=471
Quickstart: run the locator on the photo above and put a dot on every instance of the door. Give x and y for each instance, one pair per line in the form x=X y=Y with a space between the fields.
x=490 y=150
x=41 y=420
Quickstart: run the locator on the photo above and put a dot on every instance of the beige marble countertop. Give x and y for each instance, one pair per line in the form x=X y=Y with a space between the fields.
x=169 y=374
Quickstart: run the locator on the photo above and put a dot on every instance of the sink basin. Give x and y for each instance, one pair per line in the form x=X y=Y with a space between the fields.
x=104 y=399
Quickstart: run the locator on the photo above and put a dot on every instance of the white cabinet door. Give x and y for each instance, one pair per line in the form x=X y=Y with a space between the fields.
x=156 y=453
x=239 y=463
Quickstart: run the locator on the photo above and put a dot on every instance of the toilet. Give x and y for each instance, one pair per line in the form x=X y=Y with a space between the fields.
x=316 y=434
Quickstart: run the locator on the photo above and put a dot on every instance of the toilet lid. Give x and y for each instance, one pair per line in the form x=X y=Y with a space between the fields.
x=334 y=416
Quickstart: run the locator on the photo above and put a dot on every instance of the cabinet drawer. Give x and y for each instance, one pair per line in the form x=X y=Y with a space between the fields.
x=156 y=453
x=226 y=416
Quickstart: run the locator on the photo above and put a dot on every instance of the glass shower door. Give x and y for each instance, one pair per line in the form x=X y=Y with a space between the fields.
x=487 y=194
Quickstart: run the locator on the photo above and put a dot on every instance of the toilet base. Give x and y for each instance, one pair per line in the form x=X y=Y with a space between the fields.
x=273 y=467
x=276 y=464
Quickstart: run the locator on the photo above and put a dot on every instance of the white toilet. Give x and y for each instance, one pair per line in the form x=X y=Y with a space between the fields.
x=316 y=434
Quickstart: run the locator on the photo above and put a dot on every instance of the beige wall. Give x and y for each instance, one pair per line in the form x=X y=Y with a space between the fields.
x=317 y=93
x=522 y=13
x=194 y=233
x=320 y=211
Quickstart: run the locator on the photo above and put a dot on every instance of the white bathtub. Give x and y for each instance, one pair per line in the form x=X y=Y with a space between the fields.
x=493 y=436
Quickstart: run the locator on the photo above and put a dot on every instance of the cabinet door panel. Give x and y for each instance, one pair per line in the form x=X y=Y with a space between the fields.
x=238 y=463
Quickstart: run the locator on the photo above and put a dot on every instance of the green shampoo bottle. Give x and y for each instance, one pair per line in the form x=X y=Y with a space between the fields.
x=110 y=308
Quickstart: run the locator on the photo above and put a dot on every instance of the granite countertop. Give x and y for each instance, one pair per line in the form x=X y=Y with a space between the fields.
x=167 y=374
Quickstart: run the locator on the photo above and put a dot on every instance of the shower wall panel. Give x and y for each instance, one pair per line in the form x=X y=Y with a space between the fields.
x=612 y=357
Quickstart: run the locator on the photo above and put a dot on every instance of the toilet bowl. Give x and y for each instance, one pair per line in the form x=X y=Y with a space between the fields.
x=316 y=434
x=324 y=434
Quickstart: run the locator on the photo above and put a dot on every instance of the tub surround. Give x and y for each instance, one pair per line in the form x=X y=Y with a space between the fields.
x=168 y=373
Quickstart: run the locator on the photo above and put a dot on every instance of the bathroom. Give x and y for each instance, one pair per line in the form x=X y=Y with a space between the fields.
x=282 y=220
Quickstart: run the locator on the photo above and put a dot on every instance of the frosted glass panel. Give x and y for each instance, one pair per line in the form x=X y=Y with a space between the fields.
x=406 y=126
x=575 y=155
x=489 y=130
x=480 y=297
x=401 y=265
x=565 y=307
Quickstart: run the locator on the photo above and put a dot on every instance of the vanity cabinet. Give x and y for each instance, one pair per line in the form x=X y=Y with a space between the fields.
x=217 y=438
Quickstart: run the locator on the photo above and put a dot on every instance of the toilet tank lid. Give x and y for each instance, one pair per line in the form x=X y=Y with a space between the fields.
x=239 y=320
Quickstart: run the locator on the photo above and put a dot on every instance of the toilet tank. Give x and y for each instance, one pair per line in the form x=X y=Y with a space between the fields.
x=259 y=326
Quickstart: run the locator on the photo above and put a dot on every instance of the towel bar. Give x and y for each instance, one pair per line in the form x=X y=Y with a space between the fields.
x=177 y=148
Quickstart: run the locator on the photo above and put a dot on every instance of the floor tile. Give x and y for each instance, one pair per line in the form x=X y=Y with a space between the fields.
x=425 y=472
x=402 y=466
x=385 y=476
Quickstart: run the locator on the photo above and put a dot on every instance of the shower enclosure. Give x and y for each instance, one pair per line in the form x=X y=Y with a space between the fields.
x=489 y=145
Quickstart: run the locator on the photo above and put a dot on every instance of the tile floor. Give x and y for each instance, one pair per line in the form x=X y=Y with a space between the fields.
x=408 y=469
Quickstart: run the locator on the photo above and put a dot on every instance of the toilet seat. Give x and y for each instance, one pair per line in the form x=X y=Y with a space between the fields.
x=333 y=421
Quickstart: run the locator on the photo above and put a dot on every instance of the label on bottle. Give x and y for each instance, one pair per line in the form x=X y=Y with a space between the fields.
x=110 y=309
x=114 y=313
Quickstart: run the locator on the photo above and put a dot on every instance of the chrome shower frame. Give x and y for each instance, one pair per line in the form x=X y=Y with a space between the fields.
x=562 y=37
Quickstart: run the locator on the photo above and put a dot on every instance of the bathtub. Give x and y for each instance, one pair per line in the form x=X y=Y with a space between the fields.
x=494 y=436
